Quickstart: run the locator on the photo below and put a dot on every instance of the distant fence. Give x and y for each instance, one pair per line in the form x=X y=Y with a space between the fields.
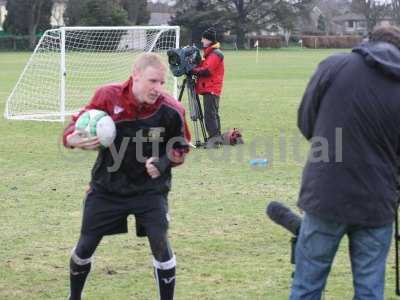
x=308 y=41
x=330 y=41
x=9 y=42
x=21 y=42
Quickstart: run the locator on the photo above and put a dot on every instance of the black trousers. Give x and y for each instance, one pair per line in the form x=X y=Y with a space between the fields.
x=211 y=115
x=106 y=214
x=158 y=240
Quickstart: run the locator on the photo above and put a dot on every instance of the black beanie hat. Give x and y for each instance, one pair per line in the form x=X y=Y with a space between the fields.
x=210 y=34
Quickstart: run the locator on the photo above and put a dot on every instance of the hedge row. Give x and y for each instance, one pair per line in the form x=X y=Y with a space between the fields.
x=330 y=41
x=308 y=41
x=14 y=42
x=267 y=41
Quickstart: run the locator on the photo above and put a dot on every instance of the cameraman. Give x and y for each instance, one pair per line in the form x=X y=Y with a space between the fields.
x=350 y=113
x=210 y=78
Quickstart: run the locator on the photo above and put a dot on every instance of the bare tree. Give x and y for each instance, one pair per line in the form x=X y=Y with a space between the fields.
x=253 y=15
x=137 y=11
x=286 y=15
x=196 y=16
x=396 y=11
x=246 y=16
x=239 y=16
x=28 y=17
x=372 y=10
x=95 y=13
x=331 y=9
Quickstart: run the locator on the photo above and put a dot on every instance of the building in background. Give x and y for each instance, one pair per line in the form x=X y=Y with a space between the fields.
x=339 y=22
x=160 y=13
x=355 y=24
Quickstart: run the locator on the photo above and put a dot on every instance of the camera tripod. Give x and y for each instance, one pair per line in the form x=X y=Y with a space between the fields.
x=196 y=113
x=397 y=254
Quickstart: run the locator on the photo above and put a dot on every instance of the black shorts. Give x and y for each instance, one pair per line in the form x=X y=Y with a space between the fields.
x=106 y=214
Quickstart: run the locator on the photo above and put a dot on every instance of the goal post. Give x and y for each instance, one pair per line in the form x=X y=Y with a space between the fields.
x=68 y=64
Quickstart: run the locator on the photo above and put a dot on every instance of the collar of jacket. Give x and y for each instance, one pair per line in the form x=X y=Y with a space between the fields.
x=384 y=56
x=139 y=109
x=211 y=48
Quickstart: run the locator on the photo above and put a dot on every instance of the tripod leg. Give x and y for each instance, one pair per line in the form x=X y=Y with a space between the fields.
x=293 y=242
x=182 y=89
x=396 y=241
x=196 y=133
x=193 y=111
x=196 y=114
x=201 y=118
x=197 y=108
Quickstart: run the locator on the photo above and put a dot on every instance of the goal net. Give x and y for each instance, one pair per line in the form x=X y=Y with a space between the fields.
x=70 y=62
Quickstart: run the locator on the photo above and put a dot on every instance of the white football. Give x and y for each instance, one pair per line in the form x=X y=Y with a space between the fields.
x=98 y=123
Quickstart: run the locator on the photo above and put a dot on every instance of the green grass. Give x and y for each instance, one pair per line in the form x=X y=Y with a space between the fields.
x=225 y=246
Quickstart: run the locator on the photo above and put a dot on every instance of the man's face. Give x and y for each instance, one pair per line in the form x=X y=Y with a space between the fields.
x=206 y=43
x=148 y=84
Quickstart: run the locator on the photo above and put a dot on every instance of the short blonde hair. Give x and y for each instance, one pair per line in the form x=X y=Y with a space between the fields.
x=148 y=60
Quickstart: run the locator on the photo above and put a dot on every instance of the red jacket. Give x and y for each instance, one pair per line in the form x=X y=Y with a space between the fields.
x=210 y=72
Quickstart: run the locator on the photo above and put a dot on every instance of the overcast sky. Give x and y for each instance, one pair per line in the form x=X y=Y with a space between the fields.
x=170 y=2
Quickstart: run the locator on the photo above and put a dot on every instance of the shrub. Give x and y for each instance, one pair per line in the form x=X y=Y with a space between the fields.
x=267 y=41
x=331 y=41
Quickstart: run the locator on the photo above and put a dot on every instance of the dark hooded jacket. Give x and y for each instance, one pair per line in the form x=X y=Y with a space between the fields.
x=350 y=113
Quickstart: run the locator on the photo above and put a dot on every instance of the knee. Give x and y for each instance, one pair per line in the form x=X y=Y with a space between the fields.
x=160 y=246
x=161 y=250
x=86 y=246
x=79 y=259
x=82 y=251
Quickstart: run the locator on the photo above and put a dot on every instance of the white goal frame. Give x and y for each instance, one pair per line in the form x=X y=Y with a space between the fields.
x=11 y=112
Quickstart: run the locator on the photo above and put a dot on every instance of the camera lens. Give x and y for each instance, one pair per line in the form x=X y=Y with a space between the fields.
x=173 y=58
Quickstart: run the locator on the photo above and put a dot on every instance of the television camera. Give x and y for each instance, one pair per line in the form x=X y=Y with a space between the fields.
x=181 y=62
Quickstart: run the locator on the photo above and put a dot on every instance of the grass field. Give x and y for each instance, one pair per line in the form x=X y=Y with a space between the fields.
x=225 y=246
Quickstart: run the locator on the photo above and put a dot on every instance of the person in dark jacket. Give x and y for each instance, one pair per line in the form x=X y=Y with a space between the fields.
x=350 y=113
x=133 y=176
x=209 y=82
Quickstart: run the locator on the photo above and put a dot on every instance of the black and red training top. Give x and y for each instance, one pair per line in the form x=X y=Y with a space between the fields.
x=143 y=131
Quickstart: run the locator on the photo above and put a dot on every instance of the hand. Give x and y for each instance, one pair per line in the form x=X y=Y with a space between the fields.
x=77 y=140
x=192 y=72
x=152 y=169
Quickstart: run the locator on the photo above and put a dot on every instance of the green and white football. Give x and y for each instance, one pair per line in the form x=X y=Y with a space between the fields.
x=98 y=123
